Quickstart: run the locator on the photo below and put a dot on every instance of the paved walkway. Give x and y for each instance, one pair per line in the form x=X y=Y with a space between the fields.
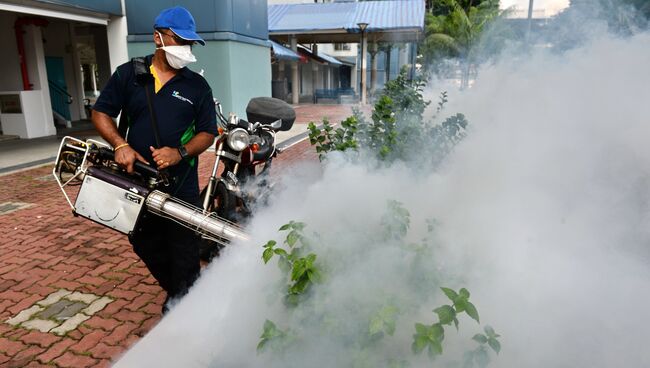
x=72 y=293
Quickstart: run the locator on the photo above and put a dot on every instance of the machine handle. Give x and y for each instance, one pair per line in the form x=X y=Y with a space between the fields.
x=145 y=169
x=140 y=168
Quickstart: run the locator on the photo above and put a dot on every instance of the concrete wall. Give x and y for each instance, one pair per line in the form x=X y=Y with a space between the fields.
x=103 y=6
x=243 y=17
x=236 y=71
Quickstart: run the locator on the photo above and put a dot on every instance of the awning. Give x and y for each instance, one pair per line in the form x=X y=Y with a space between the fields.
x=347 y=60
x=398 y=20
x=283 y=53
x=321 y=57
x=330 y=59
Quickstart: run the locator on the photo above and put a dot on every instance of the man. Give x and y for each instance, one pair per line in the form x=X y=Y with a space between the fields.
x=186 y=122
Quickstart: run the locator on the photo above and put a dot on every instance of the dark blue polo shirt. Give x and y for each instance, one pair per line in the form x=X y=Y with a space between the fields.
x=183 y=107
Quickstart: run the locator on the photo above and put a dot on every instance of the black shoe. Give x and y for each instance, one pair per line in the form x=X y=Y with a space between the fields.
x=209 y=250
x=165 y=306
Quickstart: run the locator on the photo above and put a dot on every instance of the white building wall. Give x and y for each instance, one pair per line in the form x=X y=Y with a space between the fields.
x=117 y=45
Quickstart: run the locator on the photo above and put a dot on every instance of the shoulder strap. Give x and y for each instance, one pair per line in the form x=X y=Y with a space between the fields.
x=152 y=113
x=142 y=77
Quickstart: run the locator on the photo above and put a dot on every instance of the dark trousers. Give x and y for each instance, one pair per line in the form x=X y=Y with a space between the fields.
x=170 y=251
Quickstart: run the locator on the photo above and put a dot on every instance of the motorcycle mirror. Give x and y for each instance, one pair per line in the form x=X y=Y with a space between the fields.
x=218 y=105
x=276 y=124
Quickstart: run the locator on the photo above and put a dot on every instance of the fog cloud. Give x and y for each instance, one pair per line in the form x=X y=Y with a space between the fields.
x=542 y=213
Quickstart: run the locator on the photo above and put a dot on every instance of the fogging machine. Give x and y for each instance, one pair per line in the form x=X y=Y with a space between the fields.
x=111 y=197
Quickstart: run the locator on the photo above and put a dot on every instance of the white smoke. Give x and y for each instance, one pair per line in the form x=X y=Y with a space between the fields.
x=543 y=214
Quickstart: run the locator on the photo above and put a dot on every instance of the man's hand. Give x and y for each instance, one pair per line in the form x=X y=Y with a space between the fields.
x=165 y=157
x=126 y=157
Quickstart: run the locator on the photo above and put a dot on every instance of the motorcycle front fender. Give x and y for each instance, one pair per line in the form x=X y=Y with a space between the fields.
x=233 y=188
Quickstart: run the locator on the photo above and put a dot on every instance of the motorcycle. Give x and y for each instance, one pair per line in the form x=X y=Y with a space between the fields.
x=245 y=150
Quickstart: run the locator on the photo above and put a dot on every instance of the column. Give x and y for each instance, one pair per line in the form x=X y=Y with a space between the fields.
x=388 y=53
x=43 y=125
x=282 y=78
x=364 y=52
x=353 y=79
x=117 y=31
x=79 y=95
x=373 y=68
x=295 y=78
x=314 y=72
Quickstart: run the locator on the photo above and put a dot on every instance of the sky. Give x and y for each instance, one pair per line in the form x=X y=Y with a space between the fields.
x=551 y=7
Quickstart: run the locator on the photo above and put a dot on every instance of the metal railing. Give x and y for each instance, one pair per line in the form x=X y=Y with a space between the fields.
x=60 y=99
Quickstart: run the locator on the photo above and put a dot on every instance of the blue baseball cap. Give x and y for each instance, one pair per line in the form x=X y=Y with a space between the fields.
x=180 y=21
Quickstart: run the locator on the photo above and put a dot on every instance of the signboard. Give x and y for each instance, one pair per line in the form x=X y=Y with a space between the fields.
x=10 y=104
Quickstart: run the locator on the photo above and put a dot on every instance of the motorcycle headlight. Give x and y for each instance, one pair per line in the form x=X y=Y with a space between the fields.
x=238 y=139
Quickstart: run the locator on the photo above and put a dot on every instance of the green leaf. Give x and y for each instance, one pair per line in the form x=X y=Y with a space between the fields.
x=376 y=325
x=419 y=343
x=298 y=270
x=292 y=238
x=298 y=225
x=494 y=344
x=261 y=345
x=437 y=332
x=390 y=327
x=451 y=294
x=435 y=348
x=285 y=227
x=446 y=314
x=270 y=244
x=269 y=326
x=460 y=304
x=266 y=256
x=464 y=293
x=421 y=329
x=490 y=331
x=280 y=252
x=456 y=323
x=300 y=286
x=480 y=338
x=315 y=276
x=470 y=309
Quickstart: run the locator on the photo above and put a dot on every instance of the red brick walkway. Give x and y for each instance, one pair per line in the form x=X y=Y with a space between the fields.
x=44 y=249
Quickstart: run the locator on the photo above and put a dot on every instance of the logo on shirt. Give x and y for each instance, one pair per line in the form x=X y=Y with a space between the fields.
x=178 y=95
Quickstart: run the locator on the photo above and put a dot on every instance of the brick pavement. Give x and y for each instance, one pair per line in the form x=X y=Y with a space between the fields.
x=50 y=259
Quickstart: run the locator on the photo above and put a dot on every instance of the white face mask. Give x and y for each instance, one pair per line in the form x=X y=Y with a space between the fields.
x=177 y=56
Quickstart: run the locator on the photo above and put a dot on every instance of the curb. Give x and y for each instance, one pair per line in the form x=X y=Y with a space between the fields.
x=27 y=165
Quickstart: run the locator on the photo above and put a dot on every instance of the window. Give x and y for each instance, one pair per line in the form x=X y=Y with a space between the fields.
x=342 y=46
